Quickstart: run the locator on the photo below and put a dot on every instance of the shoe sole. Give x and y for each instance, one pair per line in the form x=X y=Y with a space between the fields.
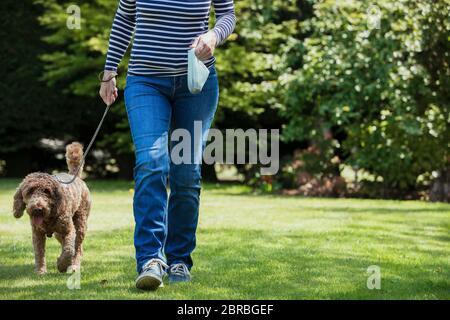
x=148 y=283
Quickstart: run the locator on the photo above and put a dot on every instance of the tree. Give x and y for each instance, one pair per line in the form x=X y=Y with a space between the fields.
x=383 y=94
x=249 y=64
x=74 y=59
x=30 y=111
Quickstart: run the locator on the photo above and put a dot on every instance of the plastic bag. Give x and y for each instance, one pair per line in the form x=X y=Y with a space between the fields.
x=197 y=72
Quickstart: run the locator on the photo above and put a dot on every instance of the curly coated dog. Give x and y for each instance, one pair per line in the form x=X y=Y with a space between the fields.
x=56 y=208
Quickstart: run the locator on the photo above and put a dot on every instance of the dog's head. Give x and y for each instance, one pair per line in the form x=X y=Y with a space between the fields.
x=39 y=195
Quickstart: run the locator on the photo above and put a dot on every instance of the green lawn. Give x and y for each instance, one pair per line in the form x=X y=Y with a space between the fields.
x=249 y=247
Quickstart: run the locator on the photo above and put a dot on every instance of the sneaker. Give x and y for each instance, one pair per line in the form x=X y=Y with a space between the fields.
x=151 y=276
x=179 y=272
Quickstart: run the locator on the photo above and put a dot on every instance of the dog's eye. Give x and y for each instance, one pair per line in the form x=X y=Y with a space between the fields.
x=47 y=192
x=29 y=191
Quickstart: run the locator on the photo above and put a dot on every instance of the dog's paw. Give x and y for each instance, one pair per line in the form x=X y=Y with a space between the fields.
x=63 y=262
x=41 y=271
x=73 y=268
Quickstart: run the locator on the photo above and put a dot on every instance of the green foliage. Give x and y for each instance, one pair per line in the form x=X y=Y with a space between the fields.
x=253 y=61
x=376 y=98
x=25 y=116
x=77 y=56
x=31 y=110
x=384 y=93
x=249 y=64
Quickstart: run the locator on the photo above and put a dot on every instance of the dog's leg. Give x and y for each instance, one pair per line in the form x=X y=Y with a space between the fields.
x=65 y=259
x=80 y=222
x=39 y=251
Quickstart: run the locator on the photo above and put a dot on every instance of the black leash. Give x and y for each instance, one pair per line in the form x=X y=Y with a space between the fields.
x=100 y=76
x=87 y=149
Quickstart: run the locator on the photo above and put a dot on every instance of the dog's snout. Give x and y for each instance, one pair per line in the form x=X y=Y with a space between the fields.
x=38 y=205
x=38 y=211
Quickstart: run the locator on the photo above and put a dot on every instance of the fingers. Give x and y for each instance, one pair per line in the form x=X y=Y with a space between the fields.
x=102 y=94
x=110 y=95
x=108 y=92
x=204 y=46
x=199 y=49
x=113 y=95
x=111 y=98
x=195 y=43
x=203 y=50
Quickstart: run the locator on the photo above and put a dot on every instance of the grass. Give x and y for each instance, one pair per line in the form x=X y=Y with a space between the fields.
x=249 y=247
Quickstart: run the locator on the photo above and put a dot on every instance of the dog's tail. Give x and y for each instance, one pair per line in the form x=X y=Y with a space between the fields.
x=74 y=158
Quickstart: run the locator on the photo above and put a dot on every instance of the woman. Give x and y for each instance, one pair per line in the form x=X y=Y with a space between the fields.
x=158 y=101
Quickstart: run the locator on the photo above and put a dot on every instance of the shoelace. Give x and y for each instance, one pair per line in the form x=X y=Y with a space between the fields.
x=155 y=262
x=179 y=269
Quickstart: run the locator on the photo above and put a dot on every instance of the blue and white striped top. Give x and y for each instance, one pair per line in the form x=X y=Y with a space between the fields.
x=163 y=31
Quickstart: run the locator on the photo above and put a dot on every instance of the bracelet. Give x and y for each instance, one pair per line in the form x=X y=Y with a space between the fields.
x=100 y=76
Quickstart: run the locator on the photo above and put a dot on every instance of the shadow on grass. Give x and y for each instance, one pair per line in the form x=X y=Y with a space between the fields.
x=382 y=209
x=225 y=188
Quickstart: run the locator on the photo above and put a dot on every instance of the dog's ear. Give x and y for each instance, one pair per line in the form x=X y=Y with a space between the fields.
x=18 y=205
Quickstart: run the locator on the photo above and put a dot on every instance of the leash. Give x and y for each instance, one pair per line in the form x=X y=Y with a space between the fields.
x=87 y=149
x=85 y=153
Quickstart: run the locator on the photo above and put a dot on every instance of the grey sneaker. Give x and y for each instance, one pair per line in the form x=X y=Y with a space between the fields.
x=151 y=276
x=179 y=272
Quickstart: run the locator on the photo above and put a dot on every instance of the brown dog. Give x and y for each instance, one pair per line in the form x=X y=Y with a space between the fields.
x=56 y=208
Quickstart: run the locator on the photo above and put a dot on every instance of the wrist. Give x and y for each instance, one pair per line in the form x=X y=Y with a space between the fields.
x=109 y=72
x=216 y=37
x=107 y=75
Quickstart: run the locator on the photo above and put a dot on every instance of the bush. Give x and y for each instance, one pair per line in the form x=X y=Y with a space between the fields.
x=382 y=93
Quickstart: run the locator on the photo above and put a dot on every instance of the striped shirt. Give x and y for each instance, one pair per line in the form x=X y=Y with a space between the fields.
x=163 y=31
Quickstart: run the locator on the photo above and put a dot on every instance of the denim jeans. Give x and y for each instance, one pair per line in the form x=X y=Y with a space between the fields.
x=166 y=225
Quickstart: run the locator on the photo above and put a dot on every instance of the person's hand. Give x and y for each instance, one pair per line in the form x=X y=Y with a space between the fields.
x=108 y=90
x=204 y=45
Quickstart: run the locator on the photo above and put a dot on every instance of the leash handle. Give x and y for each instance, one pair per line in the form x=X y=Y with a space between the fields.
x=108 y=106
x=113 y=75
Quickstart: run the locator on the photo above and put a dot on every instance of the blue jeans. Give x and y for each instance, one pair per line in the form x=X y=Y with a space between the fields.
x=165 y=226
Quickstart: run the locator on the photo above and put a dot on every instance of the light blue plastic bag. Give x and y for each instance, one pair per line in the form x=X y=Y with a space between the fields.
x=197 y=73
